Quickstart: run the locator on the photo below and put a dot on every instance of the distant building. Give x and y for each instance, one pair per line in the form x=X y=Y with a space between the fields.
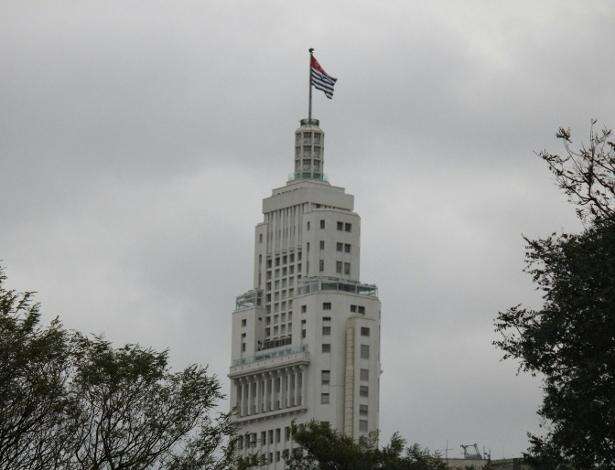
x=306 y=339
x=478 y=464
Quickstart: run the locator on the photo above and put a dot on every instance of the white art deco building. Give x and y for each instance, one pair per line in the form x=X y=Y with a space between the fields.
x=306 y=338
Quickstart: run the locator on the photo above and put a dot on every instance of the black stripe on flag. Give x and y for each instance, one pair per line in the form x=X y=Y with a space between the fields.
x=324 y=78
x=323 y=83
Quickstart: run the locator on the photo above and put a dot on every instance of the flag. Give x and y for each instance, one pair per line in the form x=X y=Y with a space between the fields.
x=320 y=79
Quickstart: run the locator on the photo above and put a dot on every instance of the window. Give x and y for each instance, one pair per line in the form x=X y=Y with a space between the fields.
x=303 y=308
x=271 y=436
x=292 y=257
x=340 y=226
x=278 y=433
x=322 y=244
x=353 y=308
x=243 y=335
x=243 y=347
x=364 y=331
x=346 y=268
x=347 y=247
x=361 y=309
x=267 y=331
x=338 y=267
x=325 y=377
x=307 y=247
x=348 y=227
x=277 y=453
x=303 y=333
x=308 y=226
x=363 y=425
x=269 y=263
x=326 y=319
x=260 y=238
x=363 y=410
x=321 y=265
x=324 y=398
x=287 y=434
x=326 y=305
x=364 y=390
x=364 y=351
x=244 y=322
x=277 y=261
x=263 y=438
x=322 y=223
x=326 y=331
x=326 y=348
x=339 y=247
x=364 y=374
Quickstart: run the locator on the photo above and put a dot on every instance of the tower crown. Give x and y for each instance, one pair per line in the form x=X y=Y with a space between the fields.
x=309 y=151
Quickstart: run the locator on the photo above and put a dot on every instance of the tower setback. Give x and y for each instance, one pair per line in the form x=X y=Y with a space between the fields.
x=306 y=338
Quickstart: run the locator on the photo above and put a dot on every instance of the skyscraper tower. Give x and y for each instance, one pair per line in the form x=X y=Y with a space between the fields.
x=306 y=338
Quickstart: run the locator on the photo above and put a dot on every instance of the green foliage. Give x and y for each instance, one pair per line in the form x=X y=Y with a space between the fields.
x=133 y=411
x=327 y=449
x=570 y=340
x=68 y=401
x=33 y=373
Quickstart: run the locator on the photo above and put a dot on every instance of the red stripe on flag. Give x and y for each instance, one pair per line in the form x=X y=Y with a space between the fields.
x=316 y=66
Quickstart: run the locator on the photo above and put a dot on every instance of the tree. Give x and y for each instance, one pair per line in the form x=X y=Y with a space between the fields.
x=326 y=449
x=587 y=174
x=70 y=402
x=132 y=412
x=33 y=372
x=570 y=340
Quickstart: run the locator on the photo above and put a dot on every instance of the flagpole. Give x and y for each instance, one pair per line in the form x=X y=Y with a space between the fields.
x=311 y=51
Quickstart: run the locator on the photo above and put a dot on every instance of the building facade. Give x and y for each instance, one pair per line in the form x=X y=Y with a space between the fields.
x=306 y=339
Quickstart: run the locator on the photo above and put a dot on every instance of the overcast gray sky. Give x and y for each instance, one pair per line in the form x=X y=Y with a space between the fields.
x=137 y=139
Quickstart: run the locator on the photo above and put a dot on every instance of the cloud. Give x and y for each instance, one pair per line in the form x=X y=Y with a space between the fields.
x=138 y=140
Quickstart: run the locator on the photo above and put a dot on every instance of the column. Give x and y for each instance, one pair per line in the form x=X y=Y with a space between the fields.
x=274 y=388
x=288 y=398
x=237 y=385
x=283 y=388
x=244 y=388
x=249 y=401
x=296 y=384
x=257 y=400
x=303 y=386
x=267 y=385
x=263 y=391
x=240 y=395
x=272 y=394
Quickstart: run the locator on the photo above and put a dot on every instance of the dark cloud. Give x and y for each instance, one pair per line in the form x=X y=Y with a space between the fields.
x=138 y=140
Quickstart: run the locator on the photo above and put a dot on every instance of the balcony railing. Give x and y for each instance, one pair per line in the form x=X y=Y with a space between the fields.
x=323 y=283
x=250 y=299
x=270 y=354
x=300 y=175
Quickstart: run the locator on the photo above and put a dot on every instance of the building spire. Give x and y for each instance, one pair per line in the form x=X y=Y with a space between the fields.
x=309 y=151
